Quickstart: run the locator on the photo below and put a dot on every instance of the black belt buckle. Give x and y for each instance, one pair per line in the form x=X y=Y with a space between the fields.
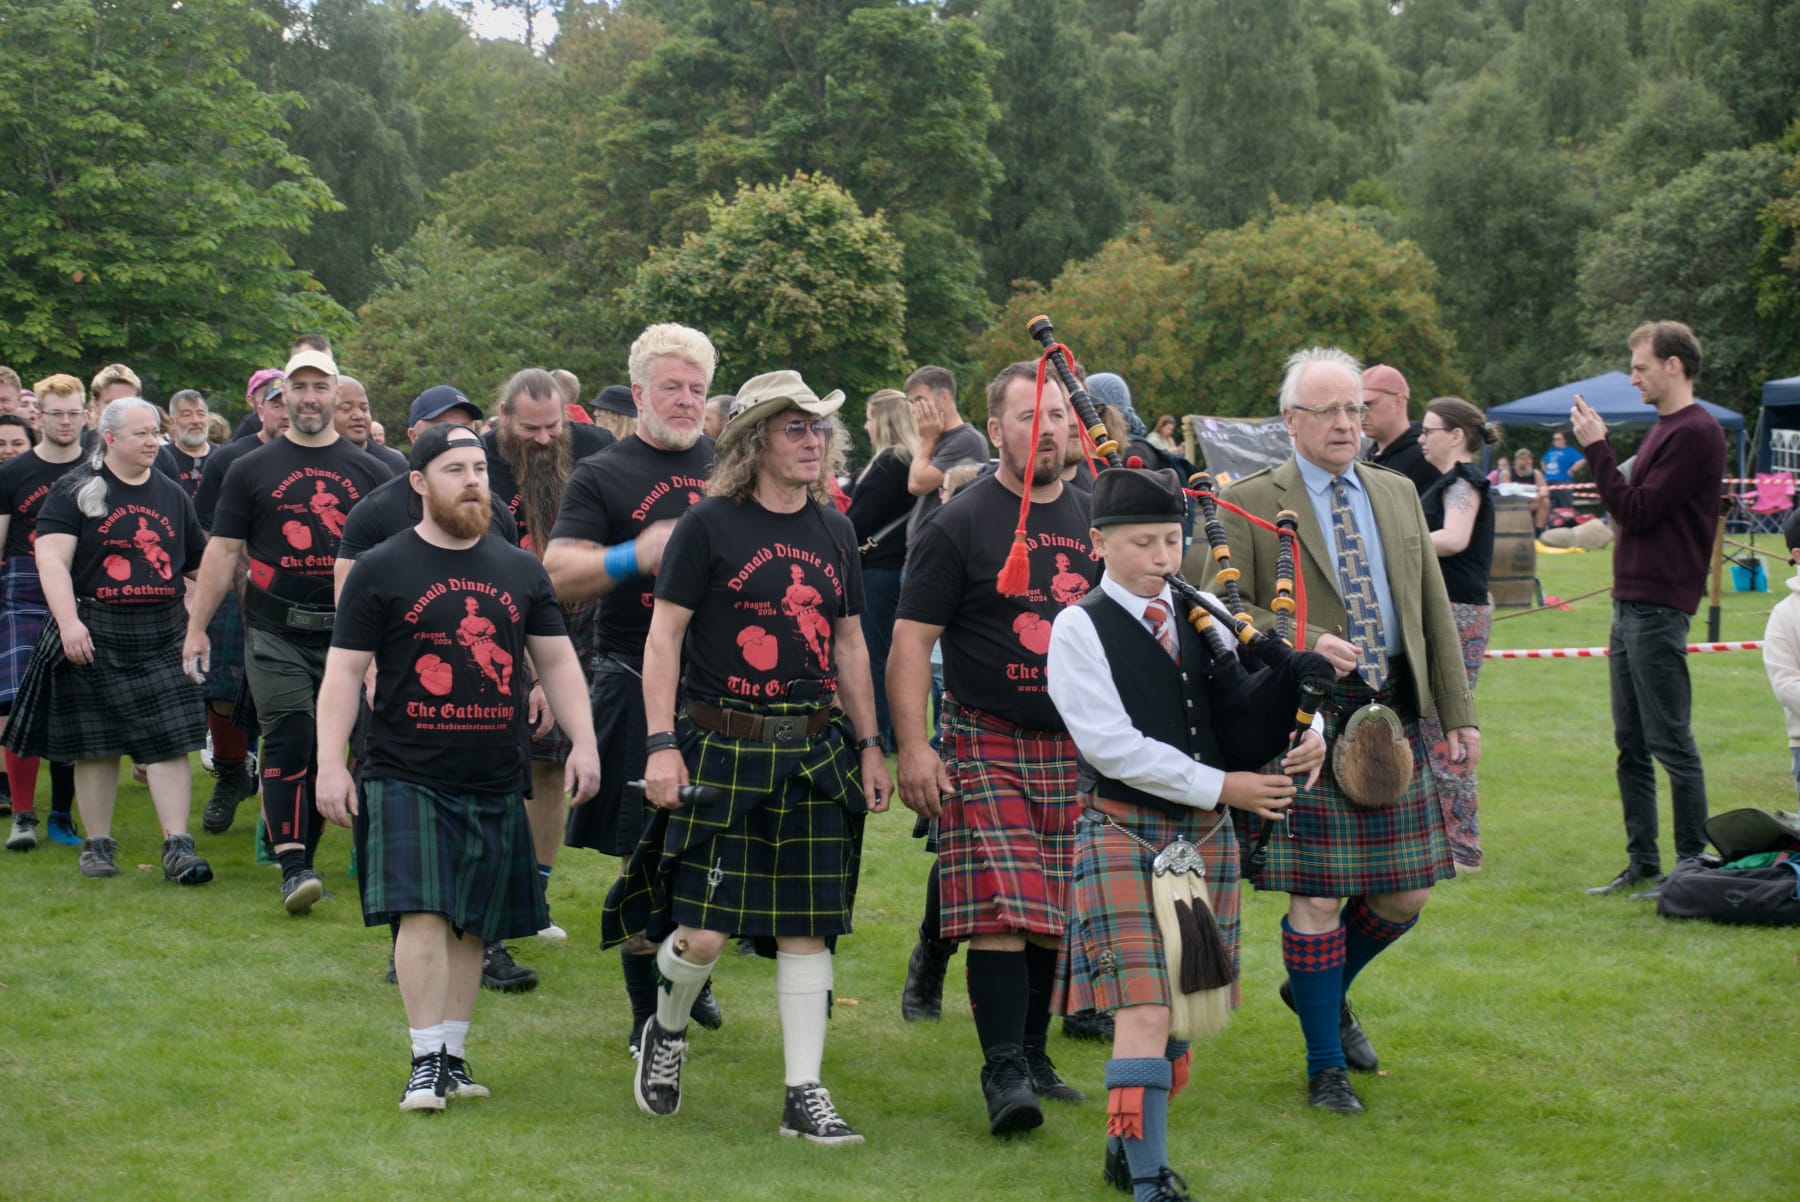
x=310 y=621
x=783 y=728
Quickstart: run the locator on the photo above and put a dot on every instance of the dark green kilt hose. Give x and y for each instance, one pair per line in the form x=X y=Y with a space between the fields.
x=467 y=856
x=1112 y=953
x=612 y=822
x=133 y=700
x=1331 y=847
x=554 y=746
x=779 y=856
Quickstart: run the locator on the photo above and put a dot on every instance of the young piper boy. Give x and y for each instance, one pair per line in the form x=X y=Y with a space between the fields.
x=1134 y=682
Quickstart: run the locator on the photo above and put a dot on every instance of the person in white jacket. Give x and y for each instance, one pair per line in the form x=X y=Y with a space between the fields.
x=1781 y=646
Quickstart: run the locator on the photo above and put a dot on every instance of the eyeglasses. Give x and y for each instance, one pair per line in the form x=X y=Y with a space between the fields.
x=1424 y=430
x=797 y=430
x=1331 y=413
x=59 y=415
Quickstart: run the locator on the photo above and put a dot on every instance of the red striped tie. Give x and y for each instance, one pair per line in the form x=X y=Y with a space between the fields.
x=1156 y=616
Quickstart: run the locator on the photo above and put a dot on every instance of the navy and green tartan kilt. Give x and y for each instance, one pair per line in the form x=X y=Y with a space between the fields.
x=554 y=746
x=22 y=614
x=613 y=821
x=1112 y=954
x=1328 y=846
x=779 y=856
x=132 y=700
x=225 y=654
x=1007 y=829
x=466 y=856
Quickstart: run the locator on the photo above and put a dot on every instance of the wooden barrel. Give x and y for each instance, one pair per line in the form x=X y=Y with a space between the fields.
x=1512 y=580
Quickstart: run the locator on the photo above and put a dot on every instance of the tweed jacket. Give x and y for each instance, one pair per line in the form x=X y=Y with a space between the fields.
x=1428 y=630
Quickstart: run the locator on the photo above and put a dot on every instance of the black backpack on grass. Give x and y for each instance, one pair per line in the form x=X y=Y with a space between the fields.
x=1740 y=896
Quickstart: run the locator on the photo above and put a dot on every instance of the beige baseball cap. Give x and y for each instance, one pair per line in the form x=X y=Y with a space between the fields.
x=317 y=360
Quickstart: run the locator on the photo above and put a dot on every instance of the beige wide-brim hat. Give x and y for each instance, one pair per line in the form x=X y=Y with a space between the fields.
x=772 y=392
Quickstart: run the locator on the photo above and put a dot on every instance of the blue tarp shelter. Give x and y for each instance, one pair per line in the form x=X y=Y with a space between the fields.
x=1780 y=411
x=1615 y=400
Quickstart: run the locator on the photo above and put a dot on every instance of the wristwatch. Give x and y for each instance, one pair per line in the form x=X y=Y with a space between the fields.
x=872 y=741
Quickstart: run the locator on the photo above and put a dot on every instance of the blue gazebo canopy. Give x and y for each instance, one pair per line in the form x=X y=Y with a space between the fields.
x=1610 y=395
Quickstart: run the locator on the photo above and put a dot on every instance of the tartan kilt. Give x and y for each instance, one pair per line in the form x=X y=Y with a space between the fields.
x=611 y=822
x=1112 y=954
x=1332 y=847
x=132 y=700
x=1007 y=830
x=554 y=746
x=466 y=856
x=22 y=614
x=780 y=856
x=225 y=659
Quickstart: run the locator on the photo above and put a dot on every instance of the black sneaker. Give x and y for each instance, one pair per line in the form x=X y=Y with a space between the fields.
x=458 y=1083
x=426 y=1087
x=657 y=1082
x=1089 y=1024
x=809 y=1113
x=1006 y=1082
x=97 y=857
x=498 y=971
x=706 y=1010
x=1044 y=1079
x=923 y=996
x=1632 y=878
x=1329 y=1089
x=234 y=785
x=300 y=891
x=23 y=836
x=182 y=864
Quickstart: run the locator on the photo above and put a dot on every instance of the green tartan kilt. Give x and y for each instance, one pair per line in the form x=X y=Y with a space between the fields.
x=779 y=856
x=467 y=856
x=1112 y=953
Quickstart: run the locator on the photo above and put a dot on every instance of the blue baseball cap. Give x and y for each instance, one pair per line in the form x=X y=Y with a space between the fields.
x=438 y=400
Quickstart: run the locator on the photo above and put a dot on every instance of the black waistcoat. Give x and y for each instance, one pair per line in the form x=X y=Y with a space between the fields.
x=1168 y=702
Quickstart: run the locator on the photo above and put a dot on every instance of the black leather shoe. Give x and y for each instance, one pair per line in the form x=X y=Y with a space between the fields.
x=1359 y=1053
x=1166 y=1186
x=1046 y=1082
x=923 y=997
x=1115 y=1171
x=1329 y=1089
x=706 y=1010
x=1006 y=1082
x=1089 y=1024
x=1632 y=876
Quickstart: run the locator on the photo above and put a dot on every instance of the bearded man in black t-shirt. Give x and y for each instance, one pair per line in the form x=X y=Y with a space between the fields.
x=285 y=505
x=445 y=611
x=617 y=514
x=768 y=844
x=1006 y=803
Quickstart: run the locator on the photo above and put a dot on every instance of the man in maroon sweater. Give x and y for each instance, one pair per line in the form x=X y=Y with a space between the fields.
x=1665 y=517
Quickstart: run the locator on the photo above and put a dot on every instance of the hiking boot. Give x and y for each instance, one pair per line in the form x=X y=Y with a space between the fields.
x=97 y=857
x=458 y=1083
x=498 y=971
x=1044 y=1079
x=657 y=1082
x=61 y=829
x=300 y=891
x=1006 y=1082
x=1359 y=1053
x=426 y=1087
x=809 y=1113
x=1096 y=1025
x=181 y=864
x=923 y=997
x=706 y=1010
x=234 y=785
x=1329 y=1089
x=24 y=831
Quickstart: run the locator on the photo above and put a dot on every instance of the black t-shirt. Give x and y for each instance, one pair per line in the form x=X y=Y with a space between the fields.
x=611 y=497
x=1466 y=572
x=181 y=467
x=1404 y=455
x=766 y=590
x=995 y=646
x=388 y=510
x=25 y=481
x=289 y=504
x=250 y=427
x=448 y=630
x=206 y=499
x=584 y=440
x=397 y=464
x=878 y=498
x=138 y=553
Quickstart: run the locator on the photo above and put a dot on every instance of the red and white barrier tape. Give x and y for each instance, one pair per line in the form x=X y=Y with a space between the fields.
x=1600 y=652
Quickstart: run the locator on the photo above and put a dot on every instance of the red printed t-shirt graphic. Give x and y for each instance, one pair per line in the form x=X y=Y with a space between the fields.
x=25 y=483
x=766 y=590
x=610 y=499
x=289 y=502
x=448 y=629
x=137 y=553
x=994 y=645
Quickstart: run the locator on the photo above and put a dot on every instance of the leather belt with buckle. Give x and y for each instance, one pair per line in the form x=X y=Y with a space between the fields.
x=757 y=728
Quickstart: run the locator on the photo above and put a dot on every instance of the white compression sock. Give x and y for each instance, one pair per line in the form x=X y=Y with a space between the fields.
x=456 y=1037
x=426 y=1040
x=680 y=985
x=803 y=996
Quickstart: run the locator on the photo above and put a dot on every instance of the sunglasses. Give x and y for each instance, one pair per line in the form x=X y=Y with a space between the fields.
x=797 y=430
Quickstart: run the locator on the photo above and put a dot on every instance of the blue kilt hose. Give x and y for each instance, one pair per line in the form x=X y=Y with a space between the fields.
x=778 y=856
x=1329 y=846
x=466 y=856
x=22 y=614
x=554 y=746
x=133 y=700
x=612 y=822
x=1112 y=955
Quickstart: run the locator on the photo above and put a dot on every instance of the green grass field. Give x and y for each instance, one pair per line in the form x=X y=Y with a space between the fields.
x=1537 y=1043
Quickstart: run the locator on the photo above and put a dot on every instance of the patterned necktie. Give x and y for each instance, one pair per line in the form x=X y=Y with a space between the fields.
x=1358 y=586
x=1156 y=617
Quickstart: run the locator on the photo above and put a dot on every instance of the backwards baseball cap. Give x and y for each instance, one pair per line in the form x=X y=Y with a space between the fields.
x=317 y=360
x=1130 y=495
x=435 y=441
x=438 y=400
x=259 y=378
x=772 y=392
x=617 y=398
x=1382 y=378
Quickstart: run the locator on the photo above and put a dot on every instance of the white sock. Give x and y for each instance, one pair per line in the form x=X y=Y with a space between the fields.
x=426 y=1040
x=803 y=997
x=456 y=1037
x=681 y=983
